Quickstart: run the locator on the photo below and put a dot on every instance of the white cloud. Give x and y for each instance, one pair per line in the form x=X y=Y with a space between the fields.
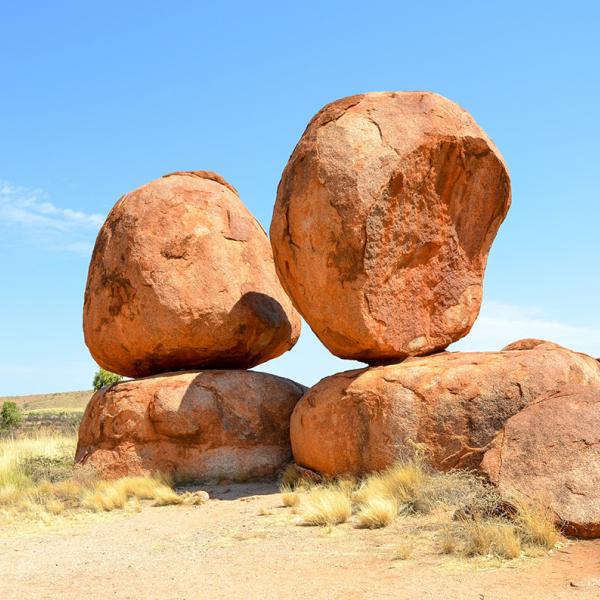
x=501 y=324
x=60 y=228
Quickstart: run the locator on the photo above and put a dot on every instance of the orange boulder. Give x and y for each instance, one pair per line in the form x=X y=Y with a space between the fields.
x=182 y=277
x=550 y=452
x=530 y=344
x=452 y=403
x=201 y=424
x=385 y=215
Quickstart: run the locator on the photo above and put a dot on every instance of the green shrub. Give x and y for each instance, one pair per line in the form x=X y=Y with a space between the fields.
x=10 y=416
x=48 y=468
x=103 y=377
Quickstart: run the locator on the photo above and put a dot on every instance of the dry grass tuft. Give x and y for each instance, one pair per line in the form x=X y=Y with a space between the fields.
x=264 y=512
x=38 y=481
x=404 y=551
x=491 y=538
x=25 y=461
x=289 y=496
x=295 y=476
x=325 y=505
x=165 y=496
x=377 y=512
x=54 y=507
x=448 y=541
x=403 y=482
x=486 y=526
x=535 y=523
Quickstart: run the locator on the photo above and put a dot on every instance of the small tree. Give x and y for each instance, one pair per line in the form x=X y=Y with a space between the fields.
x=104 y=377
x=10 y=416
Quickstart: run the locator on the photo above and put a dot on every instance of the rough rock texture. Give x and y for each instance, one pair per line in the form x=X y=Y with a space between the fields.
x=454 y=403
x=384 y=218
x=182 y=277
x=202 y=424
x=550 y=452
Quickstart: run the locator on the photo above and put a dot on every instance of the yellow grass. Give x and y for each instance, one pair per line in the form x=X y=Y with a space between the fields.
x=165 y=496
x=289 y=497
x=24 y=489
x=325 y=505
x=535 y=523
x=411 y=487
x=377 y=512
x=448 y=541
x=15 y=452
x=405 y=483
x=404 y=551
x=491 y=538
x=54 y=507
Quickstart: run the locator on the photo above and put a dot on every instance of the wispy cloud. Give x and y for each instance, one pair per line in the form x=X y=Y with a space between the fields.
x=60 y=228
x=501 y=324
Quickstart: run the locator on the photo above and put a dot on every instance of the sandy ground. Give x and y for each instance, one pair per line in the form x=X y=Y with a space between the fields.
x=228 y=549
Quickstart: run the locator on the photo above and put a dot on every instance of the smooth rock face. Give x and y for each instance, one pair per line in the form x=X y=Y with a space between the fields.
x=203 y=424
x=384 y=218
x=550 y=452
x=453 y=403
x=182 y=277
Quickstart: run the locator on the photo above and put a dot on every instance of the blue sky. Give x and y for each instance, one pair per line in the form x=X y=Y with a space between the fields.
x=97 y=99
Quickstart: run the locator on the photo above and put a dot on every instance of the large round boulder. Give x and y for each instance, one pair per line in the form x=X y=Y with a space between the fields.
x=550 y=452
x=452 y=404
x=384 y=218
x=182 y=277
x=201 y=424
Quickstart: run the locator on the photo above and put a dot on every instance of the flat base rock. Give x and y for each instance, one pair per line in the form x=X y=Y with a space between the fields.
x=452 y=404
x=550 y=452
x=217 y=424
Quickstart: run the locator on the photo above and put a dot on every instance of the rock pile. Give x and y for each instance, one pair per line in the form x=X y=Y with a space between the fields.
x=385 y=215
x=384 y=218
x=182 y=278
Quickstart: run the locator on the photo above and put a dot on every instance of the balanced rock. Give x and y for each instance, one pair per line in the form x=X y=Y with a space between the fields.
x=384 y=218
x=182 y=277
x=550 y=452
x=452 y=403
x=202 y=424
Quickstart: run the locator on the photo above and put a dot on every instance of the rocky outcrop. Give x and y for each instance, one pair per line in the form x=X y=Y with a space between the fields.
x=182 y=277
x=550 y=452
x=452 y=403
x=384 y=218
x=203 y=425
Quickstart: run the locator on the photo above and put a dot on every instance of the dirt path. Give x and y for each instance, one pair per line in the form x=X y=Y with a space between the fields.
x=227 y=549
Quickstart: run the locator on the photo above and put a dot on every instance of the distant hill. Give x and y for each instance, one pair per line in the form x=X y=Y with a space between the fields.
x=59 y=401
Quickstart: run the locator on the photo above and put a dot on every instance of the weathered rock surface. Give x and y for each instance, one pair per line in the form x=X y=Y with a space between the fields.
x=550 y=452
x=182 y=277
x=453 y=403
x=203 y=424
x=384 y=218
